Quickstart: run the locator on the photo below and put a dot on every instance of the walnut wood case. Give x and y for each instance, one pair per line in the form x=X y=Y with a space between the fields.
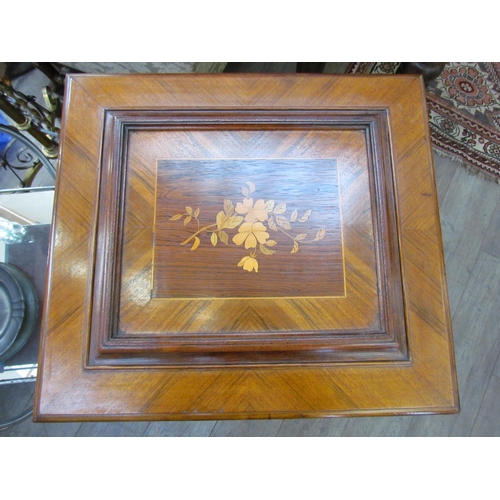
x=245 y=246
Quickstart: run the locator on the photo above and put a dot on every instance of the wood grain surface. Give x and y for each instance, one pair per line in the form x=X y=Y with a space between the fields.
x=111 y=351
x=204 y=229
x=259 y=329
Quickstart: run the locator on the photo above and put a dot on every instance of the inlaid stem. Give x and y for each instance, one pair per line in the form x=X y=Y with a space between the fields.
x=197 y=233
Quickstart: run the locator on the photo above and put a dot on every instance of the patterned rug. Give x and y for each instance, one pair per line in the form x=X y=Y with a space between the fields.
x=464 y=113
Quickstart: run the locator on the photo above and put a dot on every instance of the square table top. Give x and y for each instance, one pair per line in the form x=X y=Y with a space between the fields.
x=245 y=246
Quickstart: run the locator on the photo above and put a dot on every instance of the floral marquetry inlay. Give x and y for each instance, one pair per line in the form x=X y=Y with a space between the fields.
x=250 y=228
x=254 y=222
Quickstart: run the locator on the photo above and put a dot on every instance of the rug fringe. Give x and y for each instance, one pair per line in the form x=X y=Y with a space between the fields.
x=471 y=170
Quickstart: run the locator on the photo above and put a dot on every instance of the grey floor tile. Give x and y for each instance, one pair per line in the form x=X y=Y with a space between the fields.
x=180 y=429
x=488 y=419
x=112 y=429
x=377 y=426
x=246 y=428
x=312 y=427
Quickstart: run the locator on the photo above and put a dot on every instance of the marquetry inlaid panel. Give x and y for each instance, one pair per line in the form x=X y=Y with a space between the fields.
x=301 y=274
x=277 y=220
x=245 y=247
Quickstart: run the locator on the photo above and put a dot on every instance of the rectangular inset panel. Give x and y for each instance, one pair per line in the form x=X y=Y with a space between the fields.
x=164 y=182
x=325 y=285
x=247 y=228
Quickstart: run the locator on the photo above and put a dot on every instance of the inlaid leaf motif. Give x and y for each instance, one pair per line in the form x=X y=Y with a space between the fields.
x=293 y=217
x=228 y=208
x=196 y=243
x=224 y=237
x=245 y=192
x=176 y=217
x=320 y=235
x=221 y=220
x=214 y=239
x=283 y=222
x=233 y=221
x=270 y=205
x=300 y=237
x=251 y=187
x=197 y=212
x=271 y=243
x=187 y=220
x=265 y=250
x=305 y=216
x=272 y=225
x=279 y=209
x=189 y=210
x=295 y=247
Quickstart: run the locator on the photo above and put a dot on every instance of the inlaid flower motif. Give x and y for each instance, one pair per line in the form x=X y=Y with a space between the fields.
x=253 y=221
x=249 y=264
x=251 y=233
x=253 y=213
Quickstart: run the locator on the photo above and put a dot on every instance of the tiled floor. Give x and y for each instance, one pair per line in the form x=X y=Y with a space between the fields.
x=470 y=217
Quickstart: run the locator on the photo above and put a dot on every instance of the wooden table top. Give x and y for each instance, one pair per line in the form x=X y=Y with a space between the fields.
x=245 y=246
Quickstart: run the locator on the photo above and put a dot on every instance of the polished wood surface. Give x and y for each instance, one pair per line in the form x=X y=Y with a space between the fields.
x=116 y=348
x=279 y=228
x=301 y=324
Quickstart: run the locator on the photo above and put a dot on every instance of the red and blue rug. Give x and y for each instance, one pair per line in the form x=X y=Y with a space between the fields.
x=463 y=104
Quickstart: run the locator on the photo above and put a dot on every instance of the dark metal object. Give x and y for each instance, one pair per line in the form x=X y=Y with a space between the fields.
x=21 y=154
x=32 y=117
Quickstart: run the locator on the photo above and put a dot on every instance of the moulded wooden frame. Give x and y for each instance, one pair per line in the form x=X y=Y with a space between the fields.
x=93 y=368
x=110 y=346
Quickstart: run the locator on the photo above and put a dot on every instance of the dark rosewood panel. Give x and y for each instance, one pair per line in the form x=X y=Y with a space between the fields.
x=248 y=228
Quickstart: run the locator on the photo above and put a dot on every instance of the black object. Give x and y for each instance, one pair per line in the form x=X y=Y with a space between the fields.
x=11 y=308
x=31 y=259
x=311 y=67
x=429 y=70
x=18 y=310
x=15 y=69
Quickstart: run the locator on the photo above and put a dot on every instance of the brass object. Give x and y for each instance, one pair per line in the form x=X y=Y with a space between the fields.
x=50 y=99
x=24 y=126
x=23 y=158
x=31 y=117
x=51 y=152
